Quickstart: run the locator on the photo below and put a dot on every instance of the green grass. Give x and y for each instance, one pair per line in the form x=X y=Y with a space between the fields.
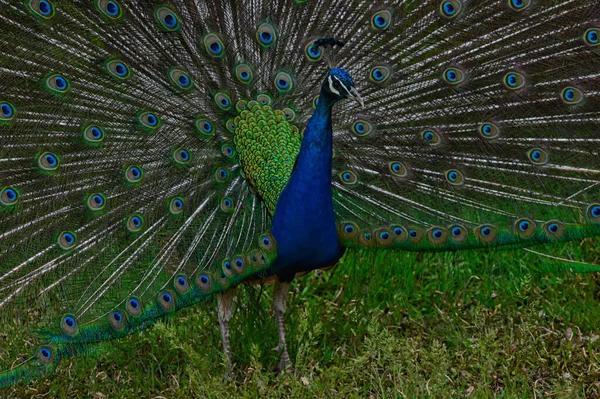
x=478 y=325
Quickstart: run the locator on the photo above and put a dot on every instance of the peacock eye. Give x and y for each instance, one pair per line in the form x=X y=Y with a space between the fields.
x=336 y=84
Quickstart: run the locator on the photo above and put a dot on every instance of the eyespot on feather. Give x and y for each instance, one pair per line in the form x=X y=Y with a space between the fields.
x=384 y=238
x=381 y=20
x=519 y=5
x=554 y=229
x=69 y=324
x=486 y=233
x=166 y=300
x=56 y=83
x=133 y=174
x=366 y=239
x=593 y=212
x=118 y=69
x=591 y=37
x=168 y=20
x=43 y=9
x=431 y=137
x=180 y=78
x=204 y=282
x=312 y=52
x=204 y=127
x=67 y=240
x=227 y=267
x=226 y=204
x=45 y=354
x=7 y=111
x=514 y=80
x=348 y=177
x=400 y=233
x=450 y=9
x=348 y=231
x=289 y=114
x=572 y=95
x=488 y=130
x=181 y=284
x=264 y=99
x=110 y=8
x=380 y=74
x=244 y=73
x=239 y=264
x=134 y=223
x=221 y=175
x=267 y=242
x=458 y=233
x=9 y=196
x=227 y=150
x=261 y=258
x=181 y=156
x=48 y=162
x=454 y=177
x=524 y=227
x=362 y=128
x=437 y=235
x=454 y=76
x=92 y=135
x=415 y=234
x=176 y=206
x=284 y=83
x=134 y=306
x=223 y=101
x=214 y=46
x=117 y=320
x=241 y=105
x=96 y=202
x=537 y=156
x=266 y=35
x=149 y=121
x=398 y=169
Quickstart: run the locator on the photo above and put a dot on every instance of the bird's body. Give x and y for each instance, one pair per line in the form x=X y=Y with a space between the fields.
x=304 y=221
x=154 y=155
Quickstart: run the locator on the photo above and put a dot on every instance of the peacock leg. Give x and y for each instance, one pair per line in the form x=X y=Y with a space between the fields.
x=225 y=304
x=279 y=302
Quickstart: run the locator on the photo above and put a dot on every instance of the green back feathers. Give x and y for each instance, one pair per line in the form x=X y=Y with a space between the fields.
x=267 y=146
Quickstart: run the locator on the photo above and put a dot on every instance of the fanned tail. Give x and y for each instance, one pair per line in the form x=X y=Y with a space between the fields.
x=122 y=199
x=480 y=127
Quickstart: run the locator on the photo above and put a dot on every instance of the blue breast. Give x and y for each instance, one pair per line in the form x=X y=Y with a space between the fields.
x=304 y=222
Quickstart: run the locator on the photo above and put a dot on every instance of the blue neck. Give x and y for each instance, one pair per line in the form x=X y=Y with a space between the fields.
x=304 y=222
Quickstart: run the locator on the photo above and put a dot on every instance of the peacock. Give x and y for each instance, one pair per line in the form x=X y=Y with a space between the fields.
x=154 y=154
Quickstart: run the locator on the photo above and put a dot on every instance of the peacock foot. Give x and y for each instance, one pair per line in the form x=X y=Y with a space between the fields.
x=279 y=348
x=284 y=361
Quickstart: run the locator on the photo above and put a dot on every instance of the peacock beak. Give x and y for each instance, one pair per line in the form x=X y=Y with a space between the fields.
x=354 y=94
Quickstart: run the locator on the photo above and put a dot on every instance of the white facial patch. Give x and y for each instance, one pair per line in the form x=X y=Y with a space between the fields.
x=333 y=89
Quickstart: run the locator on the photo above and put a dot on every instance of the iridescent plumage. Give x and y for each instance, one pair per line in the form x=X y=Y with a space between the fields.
x=153 y=155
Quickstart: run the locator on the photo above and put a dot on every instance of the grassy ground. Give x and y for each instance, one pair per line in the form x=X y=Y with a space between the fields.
x=506 y=325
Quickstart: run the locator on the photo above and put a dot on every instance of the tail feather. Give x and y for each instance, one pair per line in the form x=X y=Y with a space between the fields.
x=119 y=192
x=486 y=119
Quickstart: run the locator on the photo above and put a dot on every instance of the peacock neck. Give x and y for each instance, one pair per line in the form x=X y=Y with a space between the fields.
x=318 y=130
x=304 y=221
x=315 y=157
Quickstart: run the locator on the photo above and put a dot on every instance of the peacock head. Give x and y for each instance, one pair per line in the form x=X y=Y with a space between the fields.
x=339 y=85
